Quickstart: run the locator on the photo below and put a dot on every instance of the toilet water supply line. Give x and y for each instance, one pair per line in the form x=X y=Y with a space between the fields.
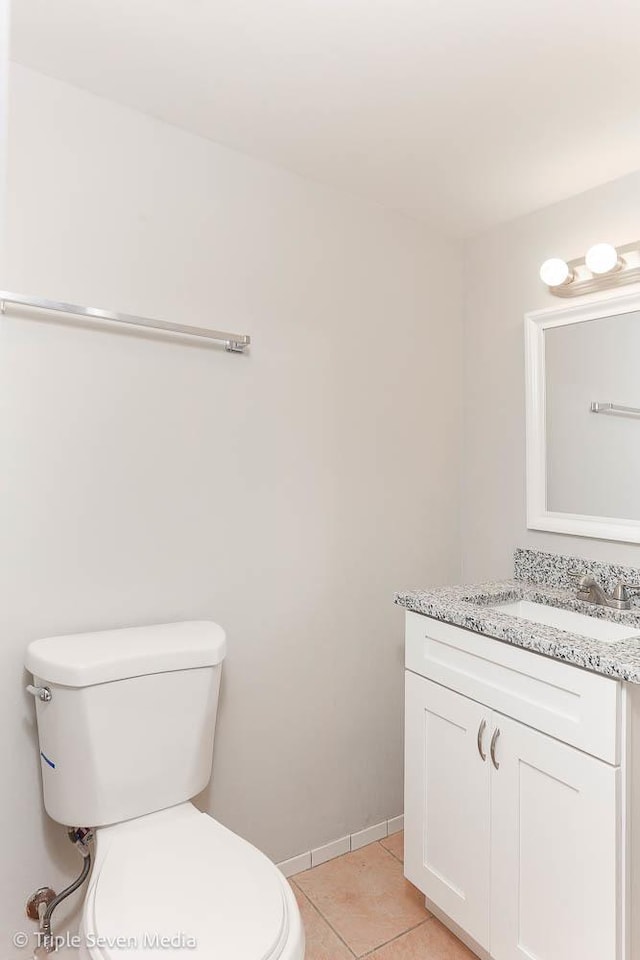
x=80 y=837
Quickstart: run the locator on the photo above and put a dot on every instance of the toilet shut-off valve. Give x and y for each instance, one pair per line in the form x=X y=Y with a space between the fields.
x=43 y=902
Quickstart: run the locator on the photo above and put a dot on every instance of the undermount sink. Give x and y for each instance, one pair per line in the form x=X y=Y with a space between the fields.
x=579 y=623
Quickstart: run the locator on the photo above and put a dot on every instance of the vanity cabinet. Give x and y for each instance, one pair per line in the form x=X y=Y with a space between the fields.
x=447 y=808
x=554 y=857
x=514 y=835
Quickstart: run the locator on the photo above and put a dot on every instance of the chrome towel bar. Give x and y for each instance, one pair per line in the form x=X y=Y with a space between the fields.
x=234 y=342
x=614 y=409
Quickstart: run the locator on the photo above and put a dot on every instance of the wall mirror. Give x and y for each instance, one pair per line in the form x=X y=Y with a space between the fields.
x=583 y=419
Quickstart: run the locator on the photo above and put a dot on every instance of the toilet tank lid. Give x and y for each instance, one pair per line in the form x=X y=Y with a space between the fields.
x=85 y=659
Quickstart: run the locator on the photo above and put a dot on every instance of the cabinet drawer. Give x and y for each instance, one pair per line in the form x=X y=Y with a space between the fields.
x=564 y=701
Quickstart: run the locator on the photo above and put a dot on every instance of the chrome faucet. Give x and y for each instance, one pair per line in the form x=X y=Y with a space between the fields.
x=591 y=591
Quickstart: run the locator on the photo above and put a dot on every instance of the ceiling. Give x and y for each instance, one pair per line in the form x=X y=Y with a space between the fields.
x=462 y=113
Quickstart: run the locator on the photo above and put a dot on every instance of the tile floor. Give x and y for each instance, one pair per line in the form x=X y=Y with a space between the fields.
x=360 y=905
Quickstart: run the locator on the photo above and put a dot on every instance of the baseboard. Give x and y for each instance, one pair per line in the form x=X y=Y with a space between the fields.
x=395 y=825
x=369 y=835
x=336 y=848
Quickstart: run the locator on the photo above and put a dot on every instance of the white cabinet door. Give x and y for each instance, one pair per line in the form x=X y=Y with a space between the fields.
x=554 y=870
x=447 y=802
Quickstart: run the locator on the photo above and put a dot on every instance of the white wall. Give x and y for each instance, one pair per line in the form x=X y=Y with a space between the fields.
x=286 y=493
x=4 y=100
x=501 y=284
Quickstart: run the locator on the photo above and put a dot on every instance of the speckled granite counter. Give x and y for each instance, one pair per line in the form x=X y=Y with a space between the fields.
x=541 y=578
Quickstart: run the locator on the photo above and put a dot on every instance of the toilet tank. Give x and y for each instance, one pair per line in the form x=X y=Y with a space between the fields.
x=129 y=726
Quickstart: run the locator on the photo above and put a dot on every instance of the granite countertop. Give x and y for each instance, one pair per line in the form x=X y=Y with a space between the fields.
x=541 y=578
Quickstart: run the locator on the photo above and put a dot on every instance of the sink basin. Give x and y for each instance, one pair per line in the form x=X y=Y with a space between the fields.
x=604 y=630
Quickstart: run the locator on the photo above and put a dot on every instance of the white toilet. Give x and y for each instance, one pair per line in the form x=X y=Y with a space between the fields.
x=126 y=721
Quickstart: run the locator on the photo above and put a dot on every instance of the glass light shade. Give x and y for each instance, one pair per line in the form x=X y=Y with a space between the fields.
x=554 y=272
x=601 y=258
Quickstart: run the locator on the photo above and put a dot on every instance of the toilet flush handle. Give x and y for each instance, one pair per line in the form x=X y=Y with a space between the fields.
x=42 y=693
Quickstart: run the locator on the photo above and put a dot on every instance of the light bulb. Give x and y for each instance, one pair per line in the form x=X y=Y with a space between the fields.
x=602 y=258
x=554 y=272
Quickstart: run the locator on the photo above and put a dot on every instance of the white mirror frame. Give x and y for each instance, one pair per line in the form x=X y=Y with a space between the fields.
x=538 y=516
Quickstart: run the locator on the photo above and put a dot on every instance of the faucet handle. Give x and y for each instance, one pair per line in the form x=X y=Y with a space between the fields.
x=582 y=578
x=622 y=590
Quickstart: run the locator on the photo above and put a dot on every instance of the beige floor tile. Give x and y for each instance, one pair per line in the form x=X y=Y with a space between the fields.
x=395 y=845
x=430 y=941
x=364 y=897
x=321 y=941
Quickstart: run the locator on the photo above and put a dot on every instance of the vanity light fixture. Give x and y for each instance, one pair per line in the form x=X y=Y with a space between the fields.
x=554 y=272
x=602 y=266
x=603 y=258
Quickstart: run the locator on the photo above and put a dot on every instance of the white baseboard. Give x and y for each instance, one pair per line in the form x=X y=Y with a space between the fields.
x=295 y=864
x=369 y=835
x=329 y=851
x=336 y=848
x=395 y=825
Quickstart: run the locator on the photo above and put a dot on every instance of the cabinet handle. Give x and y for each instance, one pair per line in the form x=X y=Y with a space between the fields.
x=481 y=730
x=492 y=748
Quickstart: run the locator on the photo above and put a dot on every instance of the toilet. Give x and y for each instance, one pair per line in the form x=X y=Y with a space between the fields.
x=126 y=722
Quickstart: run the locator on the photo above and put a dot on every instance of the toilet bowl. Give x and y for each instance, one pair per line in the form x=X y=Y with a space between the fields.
x=126 y=723
x=179 y=884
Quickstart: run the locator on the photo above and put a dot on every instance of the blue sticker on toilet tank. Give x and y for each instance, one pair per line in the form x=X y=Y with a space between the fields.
x=46 y=760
